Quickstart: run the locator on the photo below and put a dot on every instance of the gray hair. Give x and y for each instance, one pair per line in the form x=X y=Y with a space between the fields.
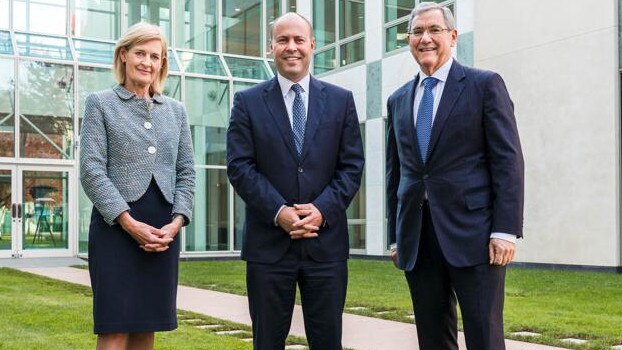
x=429 y=6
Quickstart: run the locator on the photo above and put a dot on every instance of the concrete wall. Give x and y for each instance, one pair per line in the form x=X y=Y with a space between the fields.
x=560 y=63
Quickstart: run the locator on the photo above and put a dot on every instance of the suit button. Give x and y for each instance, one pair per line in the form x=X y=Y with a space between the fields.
x=148 y=125
x=426 y=176
x=151 y=150
x=300 y=169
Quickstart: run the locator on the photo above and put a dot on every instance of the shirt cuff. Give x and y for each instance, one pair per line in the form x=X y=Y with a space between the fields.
x=504 y=236
x=277 y=215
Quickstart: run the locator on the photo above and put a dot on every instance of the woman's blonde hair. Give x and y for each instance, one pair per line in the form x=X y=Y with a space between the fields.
x=135 y=35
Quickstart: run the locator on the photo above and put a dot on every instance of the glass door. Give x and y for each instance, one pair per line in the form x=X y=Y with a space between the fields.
x=44 y=197
x=8 y=211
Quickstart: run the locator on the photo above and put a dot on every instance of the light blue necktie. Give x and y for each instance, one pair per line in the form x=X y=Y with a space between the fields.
x=299 y=118
x=424 y=116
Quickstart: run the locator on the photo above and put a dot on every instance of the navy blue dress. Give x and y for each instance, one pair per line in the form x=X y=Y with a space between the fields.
x=133 y=290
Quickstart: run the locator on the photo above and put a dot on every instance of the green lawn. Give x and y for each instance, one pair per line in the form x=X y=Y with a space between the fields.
x=41 y=313
x=558 y=304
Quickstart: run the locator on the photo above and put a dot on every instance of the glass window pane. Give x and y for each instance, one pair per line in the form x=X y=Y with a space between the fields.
x=356 y=211
x=46 y=209
x=324 y=24
x=6 y=45
x=4 y=13
x=94 y=51
x=201 y=63
x=291 y=5
x=353 y=51
x=207 y=101
x=394 y=9
x=196 y=25
x=241 y=26
x=152 y=11
x=396 y=36
x=356 y=234
x=273 y=11
x=42 y=46
x=46 y=110
x=96 y=19
x=7 y=108
x=208 y=231
x=245 y=68
x=272 y=67
x=324 y=61
x=6 y=199
x=172 y=87
x=28 y=15
x=351 y=17
x=173 y=66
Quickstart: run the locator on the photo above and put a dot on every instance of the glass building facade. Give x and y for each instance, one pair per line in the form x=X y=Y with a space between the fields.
x=53 y=53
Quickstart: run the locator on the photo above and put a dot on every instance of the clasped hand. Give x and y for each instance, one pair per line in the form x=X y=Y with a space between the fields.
x=149 y=238
x=300 y=221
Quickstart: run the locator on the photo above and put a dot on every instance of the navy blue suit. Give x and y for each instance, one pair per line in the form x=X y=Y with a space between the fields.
x=473 y=178
x=266 y=171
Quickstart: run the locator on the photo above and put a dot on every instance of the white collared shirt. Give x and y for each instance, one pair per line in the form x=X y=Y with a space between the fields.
x=440 y=74
x=289 y=95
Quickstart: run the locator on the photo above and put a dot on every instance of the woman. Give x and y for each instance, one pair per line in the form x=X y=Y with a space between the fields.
x=137 y=168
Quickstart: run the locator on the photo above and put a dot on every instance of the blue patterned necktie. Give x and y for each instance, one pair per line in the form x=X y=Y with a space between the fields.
x=424 y=116
x=299 y=118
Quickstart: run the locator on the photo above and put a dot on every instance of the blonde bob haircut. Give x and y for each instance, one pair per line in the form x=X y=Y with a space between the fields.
x=138 y=34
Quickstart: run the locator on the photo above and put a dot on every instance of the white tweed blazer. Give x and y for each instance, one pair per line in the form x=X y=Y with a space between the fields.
x=125 y=141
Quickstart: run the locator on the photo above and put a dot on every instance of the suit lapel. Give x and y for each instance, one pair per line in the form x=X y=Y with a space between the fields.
x=453 y=88
x=317 y=101
x=273 y=97
x=408 y=106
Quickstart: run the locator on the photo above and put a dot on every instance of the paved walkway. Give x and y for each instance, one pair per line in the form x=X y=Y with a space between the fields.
x=359 y=332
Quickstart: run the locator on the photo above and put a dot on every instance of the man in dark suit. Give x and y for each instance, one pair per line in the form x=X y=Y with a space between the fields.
x=454 y=188
x=294 y=154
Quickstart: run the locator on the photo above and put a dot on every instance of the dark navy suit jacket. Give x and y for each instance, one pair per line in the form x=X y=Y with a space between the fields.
x=473 y=176
x=265 y=170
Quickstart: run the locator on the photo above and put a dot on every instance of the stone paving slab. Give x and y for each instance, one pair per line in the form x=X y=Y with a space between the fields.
x=359 y=332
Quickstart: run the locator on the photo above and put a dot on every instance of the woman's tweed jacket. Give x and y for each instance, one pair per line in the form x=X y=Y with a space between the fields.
x=125 y=141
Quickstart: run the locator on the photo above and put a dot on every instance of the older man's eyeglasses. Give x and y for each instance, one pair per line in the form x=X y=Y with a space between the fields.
x=432 y=31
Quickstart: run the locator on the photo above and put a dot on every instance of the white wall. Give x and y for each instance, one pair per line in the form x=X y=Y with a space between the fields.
x=559 y=60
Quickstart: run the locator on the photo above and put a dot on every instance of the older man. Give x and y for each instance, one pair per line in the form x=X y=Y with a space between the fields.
x=454 y=188
x=295 y=156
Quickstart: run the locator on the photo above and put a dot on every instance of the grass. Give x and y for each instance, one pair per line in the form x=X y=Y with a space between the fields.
x=41 y=313
x=557 y=304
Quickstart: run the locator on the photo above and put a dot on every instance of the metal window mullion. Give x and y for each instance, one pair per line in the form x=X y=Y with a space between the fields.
x=67 y=18
x=337 y=34
x=173 y=20
x=122 y=20
x=16 y=108
x=263 y=35
x=11 y=17
x=219 y=29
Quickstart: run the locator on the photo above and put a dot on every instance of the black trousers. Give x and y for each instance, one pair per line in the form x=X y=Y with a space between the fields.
x=435 y=286
x=272 y=292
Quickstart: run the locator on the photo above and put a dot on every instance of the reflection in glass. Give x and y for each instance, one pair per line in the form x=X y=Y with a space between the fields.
x=324 y=61
x=94 y=51
x=152 y=11
x=6 y=45
x=173 y=66
x=201 y=63
x=291 y=5
x=4 y=13
x=207 y=101
x=7 y=108
x=5 y=209
x=43 y=46
x=96 y=19
x=353 y=51
x=272 y=67
x=246 y=68
x=242 y=25
x=351 y=17
x=196 y=24
x=273 y=11
x=172 y=87
x=91 y=80
x=396 y=36
x=45 y=210
x=394 y=9
x=28 y=15
x=324 y=22
x=241 y=85
x=208 y=231
x=46 y=110
x=356 y=232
